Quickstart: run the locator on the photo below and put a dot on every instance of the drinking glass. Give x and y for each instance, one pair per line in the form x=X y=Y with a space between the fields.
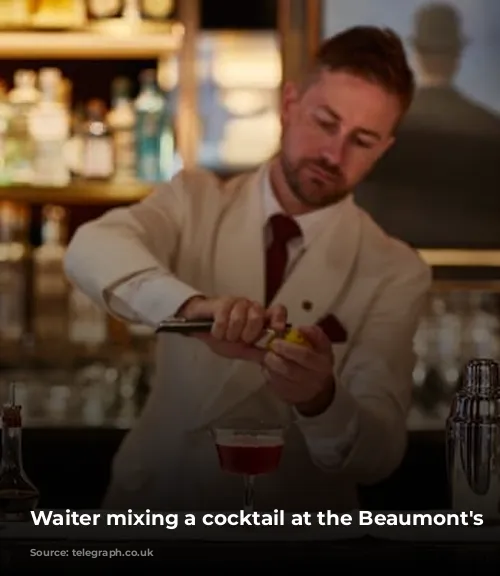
x=249 y=449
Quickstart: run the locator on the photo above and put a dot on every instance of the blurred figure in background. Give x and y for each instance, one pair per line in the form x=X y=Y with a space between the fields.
x=441 y=177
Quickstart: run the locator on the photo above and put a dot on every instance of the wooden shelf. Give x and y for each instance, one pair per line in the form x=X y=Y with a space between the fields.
x=84 y=193
x=461 y=258
x=446 y=286
x=114 y=40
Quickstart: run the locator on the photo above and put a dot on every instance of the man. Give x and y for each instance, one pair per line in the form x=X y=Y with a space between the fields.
x=197 y=248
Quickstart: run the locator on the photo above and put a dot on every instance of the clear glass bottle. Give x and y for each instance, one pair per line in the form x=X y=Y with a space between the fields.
x=75 y=147
x=156 y=10
x=18 y=495
x=49 y=126
x=54 y=14
x=98 y=161
x=20 y=148
x=88 y=324
x=104 y=9
x=14 y=266
x=51 y=288
x=121 y=120
x=14 y=14
x=5 y=118
x=153 y=130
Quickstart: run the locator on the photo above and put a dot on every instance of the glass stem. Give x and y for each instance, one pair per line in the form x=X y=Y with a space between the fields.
x=249 y=493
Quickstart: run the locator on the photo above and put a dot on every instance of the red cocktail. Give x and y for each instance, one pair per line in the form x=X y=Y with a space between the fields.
x=249 y=451
x=251 y=455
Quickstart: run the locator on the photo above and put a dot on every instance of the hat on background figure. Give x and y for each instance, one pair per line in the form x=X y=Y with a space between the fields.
x=438 y=29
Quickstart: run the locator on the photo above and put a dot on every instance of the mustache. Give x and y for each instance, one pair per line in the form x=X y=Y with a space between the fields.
x=332 y=170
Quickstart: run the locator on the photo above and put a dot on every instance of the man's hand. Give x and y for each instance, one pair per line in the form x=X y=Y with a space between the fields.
x=239 y=324
x=300 y=375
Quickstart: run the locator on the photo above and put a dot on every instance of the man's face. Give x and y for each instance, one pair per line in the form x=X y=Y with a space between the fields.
x=333 y=134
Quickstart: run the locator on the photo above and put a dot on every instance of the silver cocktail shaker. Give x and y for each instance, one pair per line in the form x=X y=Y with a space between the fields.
x=473 y=447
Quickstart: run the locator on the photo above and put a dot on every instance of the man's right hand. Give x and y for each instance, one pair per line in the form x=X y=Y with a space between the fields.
x=239 y=324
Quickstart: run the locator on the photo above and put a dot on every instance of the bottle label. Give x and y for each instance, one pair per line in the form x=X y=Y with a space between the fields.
x=49 y=164
x=99 y=159
x=124 y=150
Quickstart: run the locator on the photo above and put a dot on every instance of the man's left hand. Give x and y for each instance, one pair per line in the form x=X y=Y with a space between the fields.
x=303 y=375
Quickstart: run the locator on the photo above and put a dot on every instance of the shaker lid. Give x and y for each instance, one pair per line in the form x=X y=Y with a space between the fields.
x=481 y=376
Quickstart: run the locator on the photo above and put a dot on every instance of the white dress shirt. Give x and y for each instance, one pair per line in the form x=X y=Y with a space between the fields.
x=142 y=297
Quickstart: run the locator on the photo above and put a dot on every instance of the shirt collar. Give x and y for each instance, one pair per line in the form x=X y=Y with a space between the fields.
x=311 y=223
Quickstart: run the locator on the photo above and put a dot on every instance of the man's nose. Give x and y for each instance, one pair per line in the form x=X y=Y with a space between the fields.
x=333 y=151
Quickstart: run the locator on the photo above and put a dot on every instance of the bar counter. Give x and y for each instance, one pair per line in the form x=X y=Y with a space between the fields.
x=71 y=467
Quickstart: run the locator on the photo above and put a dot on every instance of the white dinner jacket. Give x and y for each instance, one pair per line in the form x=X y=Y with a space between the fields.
x=206 y=236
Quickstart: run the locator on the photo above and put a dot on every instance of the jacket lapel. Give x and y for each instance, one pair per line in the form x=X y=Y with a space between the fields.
x=239 y=250
x=322 y=273
x=319 y=278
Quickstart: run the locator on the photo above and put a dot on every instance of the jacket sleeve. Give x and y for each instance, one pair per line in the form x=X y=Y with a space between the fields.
x=373 y=394
x=121 y=260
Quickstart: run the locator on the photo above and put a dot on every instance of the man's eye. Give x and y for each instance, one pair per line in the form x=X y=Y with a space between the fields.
x=326 y=124
x=363 y=143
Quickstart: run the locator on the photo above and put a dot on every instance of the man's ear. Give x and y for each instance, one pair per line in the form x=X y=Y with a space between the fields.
x=289 y=98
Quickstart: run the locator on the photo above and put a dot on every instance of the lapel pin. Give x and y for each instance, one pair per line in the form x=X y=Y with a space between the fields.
x=307 y=305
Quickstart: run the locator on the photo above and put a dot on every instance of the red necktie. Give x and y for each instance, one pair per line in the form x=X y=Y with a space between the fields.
x=283 y=230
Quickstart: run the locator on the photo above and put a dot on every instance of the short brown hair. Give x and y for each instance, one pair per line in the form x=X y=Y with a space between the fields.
x=376 y=54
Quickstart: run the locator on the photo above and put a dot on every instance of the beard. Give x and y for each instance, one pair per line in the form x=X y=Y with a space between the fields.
x=314 y=182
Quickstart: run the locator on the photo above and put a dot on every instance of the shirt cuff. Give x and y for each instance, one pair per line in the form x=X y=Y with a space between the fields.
x=152 y=297
x=332 y=435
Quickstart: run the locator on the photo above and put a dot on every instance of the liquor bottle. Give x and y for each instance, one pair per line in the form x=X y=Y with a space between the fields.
x=121 y=120
x=20 y=149
x=88 y=324
x=156 y=10
x=51 y=288
x=49 y=126
x=104 y=9
x=98 y=157
x=150 y=107
x=14 y=267
x=14 y=14
x=75 y=148
x=18 y=495
x=5 y=118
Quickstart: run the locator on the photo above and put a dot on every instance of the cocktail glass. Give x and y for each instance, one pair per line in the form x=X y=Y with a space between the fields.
x=249 y=449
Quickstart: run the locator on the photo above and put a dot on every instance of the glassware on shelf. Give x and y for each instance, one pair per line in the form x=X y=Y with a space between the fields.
x=121 y=120
x=250 y=449
x=59 y=14
x=50 y=285
x=155 y=146
x=18 y=495
x=49 y=129
x=156 y=10
x=104 y=9
x=14 y=14
x=20 y=150
x=14 y=264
